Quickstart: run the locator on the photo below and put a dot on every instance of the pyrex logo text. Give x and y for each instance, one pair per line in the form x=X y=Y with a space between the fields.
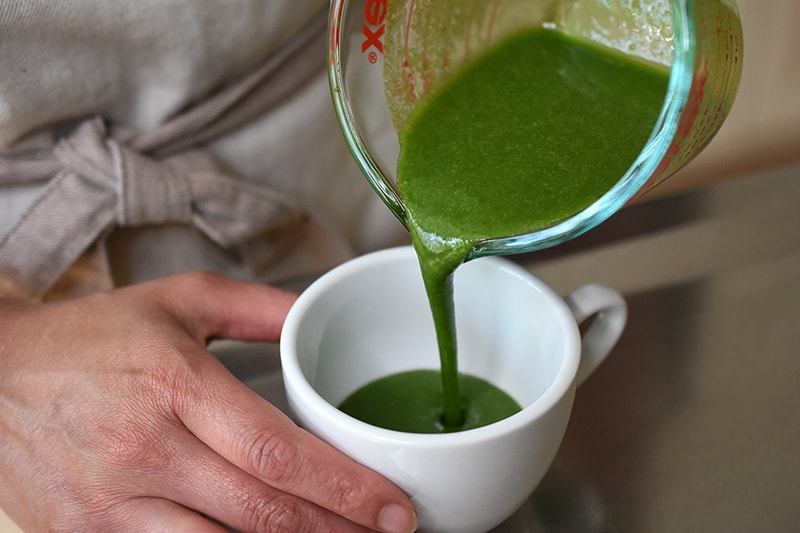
x=373 y=28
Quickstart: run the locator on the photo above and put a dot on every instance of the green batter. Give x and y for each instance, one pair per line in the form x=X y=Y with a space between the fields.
x=412 y=401
x=528 y=135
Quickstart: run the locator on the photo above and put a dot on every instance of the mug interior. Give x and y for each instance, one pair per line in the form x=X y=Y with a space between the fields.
x=370 y=318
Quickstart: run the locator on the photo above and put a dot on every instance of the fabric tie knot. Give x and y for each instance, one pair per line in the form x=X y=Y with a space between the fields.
x=99 y=182
x=99 y=179
x=146 y=191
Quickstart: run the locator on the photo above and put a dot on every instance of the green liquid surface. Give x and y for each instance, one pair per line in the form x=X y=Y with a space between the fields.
x=526 y=136
x=412 y=402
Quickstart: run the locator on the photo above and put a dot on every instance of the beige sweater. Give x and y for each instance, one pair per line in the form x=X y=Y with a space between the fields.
x=159 y=136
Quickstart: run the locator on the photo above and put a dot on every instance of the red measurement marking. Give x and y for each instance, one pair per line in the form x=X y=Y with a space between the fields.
x=490 y=24
x=406 y=63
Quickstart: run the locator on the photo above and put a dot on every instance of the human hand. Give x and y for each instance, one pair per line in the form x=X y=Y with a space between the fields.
x=114 y=417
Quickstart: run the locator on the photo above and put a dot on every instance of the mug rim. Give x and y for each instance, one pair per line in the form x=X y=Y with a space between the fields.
x=299 y=389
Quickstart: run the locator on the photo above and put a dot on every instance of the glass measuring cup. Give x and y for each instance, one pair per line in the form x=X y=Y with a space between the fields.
x=385 y=56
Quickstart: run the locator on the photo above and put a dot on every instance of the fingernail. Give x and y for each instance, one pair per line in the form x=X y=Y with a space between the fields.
x=395 y=518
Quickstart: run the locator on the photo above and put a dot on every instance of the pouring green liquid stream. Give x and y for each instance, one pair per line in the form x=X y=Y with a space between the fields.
x=525 y=136
x=528 y=135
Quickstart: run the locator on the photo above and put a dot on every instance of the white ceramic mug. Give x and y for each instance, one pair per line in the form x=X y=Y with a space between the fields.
x=370 y=317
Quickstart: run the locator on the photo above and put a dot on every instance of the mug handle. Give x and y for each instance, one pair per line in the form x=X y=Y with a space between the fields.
x=603 y=333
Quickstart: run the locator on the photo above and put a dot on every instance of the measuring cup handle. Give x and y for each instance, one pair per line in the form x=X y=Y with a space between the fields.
x=610 y=314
